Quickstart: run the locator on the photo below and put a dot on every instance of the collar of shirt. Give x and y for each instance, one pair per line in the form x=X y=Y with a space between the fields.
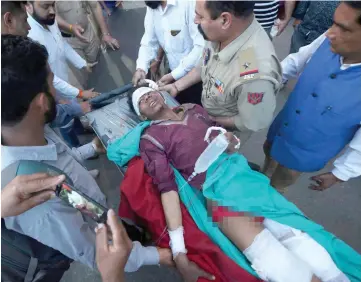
x=346 y=66
x=185 y=108
x=11 y=154
x=169 y=3
x=33 y=23
x=228 y=52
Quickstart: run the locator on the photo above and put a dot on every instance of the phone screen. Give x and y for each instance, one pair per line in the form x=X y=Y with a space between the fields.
x=82 y=203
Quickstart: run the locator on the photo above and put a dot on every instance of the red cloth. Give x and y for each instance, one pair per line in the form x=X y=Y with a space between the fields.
x=140 y=202
x=219 y=212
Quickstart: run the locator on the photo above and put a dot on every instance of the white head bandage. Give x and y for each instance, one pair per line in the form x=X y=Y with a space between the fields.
x=139 y=93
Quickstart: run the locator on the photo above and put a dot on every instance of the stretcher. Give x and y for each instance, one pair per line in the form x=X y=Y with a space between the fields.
x=112 y=117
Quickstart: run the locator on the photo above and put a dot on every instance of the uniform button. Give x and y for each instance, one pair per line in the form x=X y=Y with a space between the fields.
x=285 y=124
x=298 y=111
x=81 y=254
x=333 y=75
x=314 y=95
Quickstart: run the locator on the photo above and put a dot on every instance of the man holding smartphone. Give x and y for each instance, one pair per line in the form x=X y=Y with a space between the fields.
x=27 y=76
x=27 y=191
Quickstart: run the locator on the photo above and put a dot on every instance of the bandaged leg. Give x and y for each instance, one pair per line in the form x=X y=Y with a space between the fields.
x=273 y=262
x=308 y=250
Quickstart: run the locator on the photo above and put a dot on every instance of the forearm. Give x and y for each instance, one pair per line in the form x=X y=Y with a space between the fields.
x=63 y=24
x=227 y=122
x=100 y=20
x=348 y=165
x=65 y=89
x=289 y=8
x=102 y=4
x=73 y=57
x=172 y=210
x=193 y=77
x=160 y=54
x=188 y=63
x=114 y=279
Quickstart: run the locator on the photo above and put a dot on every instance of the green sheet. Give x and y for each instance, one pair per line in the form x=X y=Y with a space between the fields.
x=231 y=183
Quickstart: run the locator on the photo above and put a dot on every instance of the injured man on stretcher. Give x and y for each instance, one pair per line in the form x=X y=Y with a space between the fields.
x=271 y=234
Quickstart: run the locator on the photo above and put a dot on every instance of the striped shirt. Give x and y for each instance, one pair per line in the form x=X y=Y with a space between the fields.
x=266 y=12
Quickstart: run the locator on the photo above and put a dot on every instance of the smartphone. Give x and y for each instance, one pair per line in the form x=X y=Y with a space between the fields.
x=82 y=202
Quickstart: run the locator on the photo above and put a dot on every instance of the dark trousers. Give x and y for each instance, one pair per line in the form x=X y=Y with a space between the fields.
x=192 y=94
x=298 y=40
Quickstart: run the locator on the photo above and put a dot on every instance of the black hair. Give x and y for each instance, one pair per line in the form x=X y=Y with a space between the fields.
x=24 y=74
x=13 y=7
x=153 y=4
x=236 y=8
x=355 y=5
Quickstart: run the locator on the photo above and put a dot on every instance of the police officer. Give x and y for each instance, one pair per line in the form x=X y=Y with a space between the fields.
x=323 y=113
x=239 y=70
x=72 y=18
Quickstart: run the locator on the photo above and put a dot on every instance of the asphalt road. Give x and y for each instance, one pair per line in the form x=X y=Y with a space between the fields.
x=337 y=209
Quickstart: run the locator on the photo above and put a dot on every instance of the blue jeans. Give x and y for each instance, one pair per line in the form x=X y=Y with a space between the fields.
x=70 y=131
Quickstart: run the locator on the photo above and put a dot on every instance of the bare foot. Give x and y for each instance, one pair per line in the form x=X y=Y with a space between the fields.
x=165 y=257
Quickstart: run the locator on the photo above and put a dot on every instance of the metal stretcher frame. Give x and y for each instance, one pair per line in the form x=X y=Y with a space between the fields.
x=114 y=118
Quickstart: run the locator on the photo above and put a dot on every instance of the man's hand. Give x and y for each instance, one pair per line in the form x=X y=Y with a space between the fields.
x=27 y=191
x=85 y=107
x=189 y=270
x=281 y=25
x=166 y=79
x=112 y=258
x=99 y=148
x=138 y=77
x=323 y=181
x=89 y=67
x=88 y=94
x=170 y=88
x=78 y=31
x=111 y=42
x=233 y=142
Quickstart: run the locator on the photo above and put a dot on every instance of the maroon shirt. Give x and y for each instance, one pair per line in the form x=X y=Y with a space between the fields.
x=179 y=143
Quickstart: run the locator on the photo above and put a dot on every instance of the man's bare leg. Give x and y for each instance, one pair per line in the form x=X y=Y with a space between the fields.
x=284 y=177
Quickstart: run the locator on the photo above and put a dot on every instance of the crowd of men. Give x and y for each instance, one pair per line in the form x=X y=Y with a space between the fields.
x=217 y=54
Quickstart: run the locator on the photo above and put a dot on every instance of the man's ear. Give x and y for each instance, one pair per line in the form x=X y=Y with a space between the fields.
x=42 y=102
x=8 y=19
x=30 y=8
x=226 y=19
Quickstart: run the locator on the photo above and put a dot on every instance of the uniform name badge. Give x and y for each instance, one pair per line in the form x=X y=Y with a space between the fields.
x=206 y=55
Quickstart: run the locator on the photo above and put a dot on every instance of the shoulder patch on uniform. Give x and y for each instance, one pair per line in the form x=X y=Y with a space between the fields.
x=255 y=98
x=248 y=64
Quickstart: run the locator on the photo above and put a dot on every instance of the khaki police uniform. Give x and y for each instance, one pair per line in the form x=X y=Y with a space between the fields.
x=77 y=12
x=242 y=80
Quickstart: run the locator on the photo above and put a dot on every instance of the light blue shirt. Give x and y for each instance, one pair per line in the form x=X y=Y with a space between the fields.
x=56 y=224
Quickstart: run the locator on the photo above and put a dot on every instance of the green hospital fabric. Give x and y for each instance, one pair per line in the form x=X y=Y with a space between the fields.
x=233 y=184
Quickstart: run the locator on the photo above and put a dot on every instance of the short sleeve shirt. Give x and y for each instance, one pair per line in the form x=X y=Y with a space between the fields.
x=241 y=80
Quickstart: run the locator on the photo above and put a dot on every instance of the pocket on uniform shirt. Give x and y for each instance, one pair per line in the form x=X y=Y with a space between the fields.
x=176 y=38
x=63 y=7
